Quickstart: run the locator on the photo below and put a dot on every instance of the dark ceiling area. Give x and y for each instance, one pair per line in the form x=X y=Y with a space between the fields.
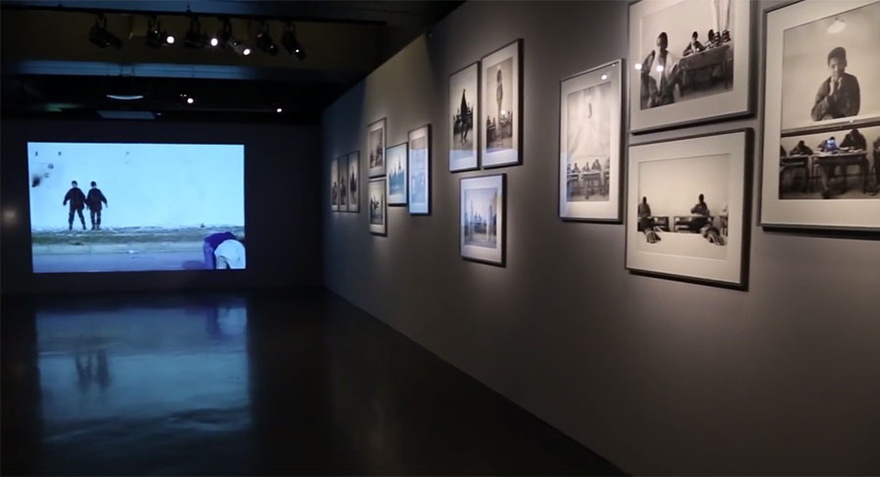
x=57 y=64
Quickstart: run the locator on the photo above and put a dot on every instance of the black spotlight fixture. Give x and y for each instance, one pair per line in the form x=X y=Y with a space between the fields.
x=291 y=43
x=194 y=37
x=264 y=41
x=101 y=37
x=156 y=36
x=224 y=35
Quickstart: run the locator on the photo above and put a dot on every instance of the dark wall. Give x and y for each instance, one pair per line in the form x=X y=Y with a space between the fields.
x=282 y=211
x=658 y=376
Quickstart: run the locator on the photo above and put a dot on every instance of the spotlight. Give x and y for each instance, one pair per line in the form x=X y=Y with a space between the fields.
x=291 y=43
x=264 y=41
x=101 y=37
x=194 y=37
x=223 y=35
x=240 y=48
x=190 y=100
x=156 y=37
x=278 y=109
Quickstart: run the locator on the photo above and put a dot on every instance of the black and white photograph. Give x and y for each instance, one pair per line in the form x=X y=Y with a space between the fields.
x=822 y=116
x=831 y=165
x=419 y=168
x=334 y=185
x=483 y=219
x=590 y=144
x=353 y=181
x=500 y=107
x=685 y=213
x=690 y=60
x=377 y=207
x=342 y=167
x=376 y=148
x=397 y=174
x=463 y=115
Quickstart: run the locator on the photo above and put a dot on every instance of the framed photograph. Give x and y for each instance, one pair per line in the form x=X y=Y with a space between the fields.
x=501 y=107
x=822 y=116
x=353 y=181
x=688 y=208
x=376 y=148
x=590 y=132
x=691 y=60
x=464 y=95
x=378 y=208
x=397 y=174
x=334 y=185
x=343 y=183
x=483 y=217
x=419 y=144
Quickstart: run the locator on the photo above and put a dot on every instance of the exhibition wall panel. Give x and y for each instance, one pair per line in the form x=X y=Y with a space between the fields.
x=657 y=376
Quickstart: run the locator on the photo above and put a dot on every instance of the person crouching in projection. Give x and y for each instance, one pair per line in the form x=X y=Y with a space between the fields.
x=230 y=254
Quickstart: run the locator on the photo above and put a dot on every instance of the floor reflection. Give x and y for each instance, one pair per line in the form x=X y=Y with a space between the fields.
x=264 y=383
x=136 y=384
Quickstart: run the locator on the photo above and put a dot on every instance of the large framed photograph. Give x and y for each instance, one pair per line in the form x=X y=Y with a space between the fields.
x=501 y=106
x=482 y=208
x=822 y=116
x=464 y=96
x=353 y=181
x=419 y=145
x=590 y=132
x=691 y=60
x=397 y=174
x=378 y=208
x=376 y=148
x=334 y=185
x=688 y=207
x=343 y=182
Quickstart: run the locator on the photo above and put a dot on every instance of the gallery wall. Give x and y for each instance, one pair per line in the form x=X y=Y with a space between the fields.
x=281 y=199
x=657 y=376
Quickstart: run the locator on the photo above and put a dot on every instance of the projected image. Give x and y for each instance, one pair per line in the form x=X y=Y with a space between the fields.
x=136 y=207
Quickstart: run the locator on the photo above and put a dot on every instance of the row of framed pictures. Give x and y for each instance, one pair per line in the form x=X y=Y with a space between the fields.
x=405 y=171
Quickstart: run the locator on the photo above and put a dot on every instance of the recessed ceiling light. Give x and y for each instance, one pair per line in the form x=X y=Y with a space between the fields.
x=190 y=100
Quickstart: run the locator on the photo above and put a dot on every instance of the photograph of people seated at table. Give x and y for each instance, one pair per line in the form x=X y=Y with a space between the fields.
x=683 y=206
x=588 y=179
x=687 y=52
x=841 y=164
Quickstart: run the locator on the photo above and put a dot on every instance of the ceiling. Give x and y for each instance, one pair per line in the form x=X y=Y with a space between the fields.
x=50 y=69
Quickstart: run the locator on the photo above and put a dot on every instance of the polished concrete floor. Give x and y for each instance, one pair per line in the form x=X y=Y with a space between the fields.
x=260 y=383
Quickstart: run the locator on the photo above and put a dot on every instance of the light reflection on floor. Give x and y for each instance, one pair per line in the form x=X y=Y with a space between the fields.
x=176 y=375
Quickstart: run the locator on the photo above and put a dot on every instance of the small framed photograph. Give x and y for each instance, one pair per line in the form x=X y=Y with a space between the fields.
x=822 y=116
x=397 y=174
x=590 y=132
x=419 y=168
x=691 y=61
x=378 y=208
x=353 y=181
x=334 y=185
x=501 y=107
x=464 y=95
x=343 y=183
x=376 y=148
x=483 y=219
x=688 y=208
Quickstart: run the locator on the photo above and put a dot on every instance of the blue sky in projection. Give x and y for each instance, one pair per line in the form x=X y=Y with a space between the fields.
x=146 y=185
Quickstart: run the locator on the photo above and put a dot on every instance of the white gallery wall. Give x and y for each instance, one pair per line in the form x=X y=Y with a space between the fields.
x=657 y=376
